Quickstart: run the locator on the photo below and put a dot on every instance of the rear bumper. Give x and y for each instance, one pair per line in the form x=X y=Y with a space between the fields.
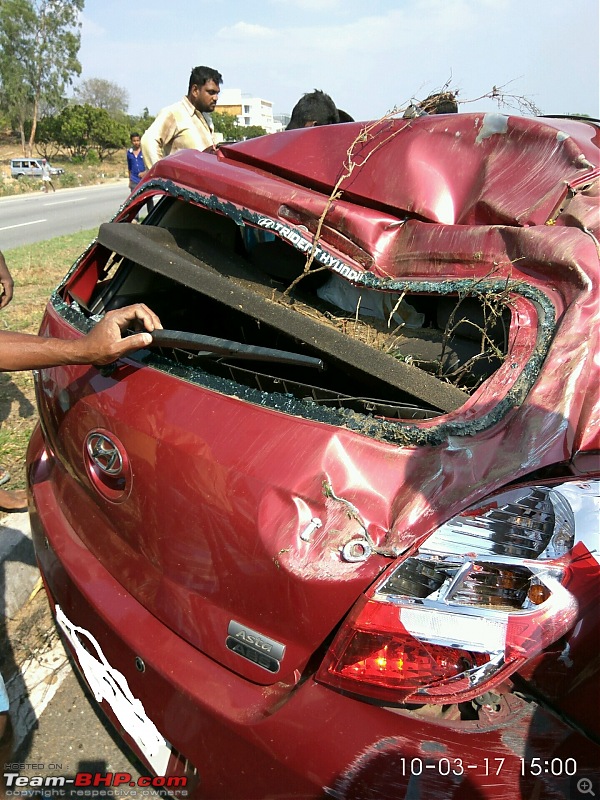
x=248 y=741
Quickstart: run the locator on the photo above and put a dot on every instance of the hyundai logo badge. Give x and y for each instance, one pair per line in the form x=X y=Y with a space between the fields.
x=104 y=453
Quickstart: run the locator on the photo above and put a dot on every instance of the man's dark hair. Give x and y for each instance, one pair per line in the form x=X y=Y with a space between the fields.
x=440 y=103
x=200 y=76
x=344 y=116
x=133 y=135
x=317 y=108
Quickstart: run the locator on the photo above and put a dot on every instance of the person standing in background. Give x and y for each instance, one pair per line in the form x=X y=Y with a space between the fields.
x=135 y=162
x=46 y=177
x=186 y=125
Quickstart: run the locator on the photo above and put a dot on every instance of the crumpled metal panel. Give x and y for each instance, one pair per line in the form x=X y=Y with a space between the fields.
x=513 y=170
x=230 y=531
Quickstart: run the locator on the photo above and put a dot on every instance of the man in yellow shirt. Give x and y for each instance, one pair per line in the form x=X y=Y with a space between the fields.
x=185 y=125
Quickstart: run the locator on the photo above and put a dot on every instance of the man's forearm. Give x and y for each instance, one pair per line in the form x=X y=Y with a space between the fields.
x=104 y=344
x=27 y=351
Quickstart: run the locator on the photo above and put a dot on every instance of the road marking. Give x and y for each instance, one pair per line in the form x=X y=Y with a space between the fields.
x=59 y=202
x=22 y=224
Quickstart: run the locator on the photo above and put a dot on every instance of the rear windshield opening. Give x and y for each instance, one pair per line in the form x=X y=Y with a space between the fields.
x=406 y=355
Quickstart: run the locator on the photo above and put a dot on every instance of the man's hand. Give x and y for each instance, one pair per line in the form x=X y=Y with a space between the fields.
x=104 y=343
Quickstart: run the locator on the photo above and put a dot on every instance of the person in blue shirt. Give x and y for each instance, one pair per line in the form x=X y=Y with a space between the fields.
x=135 y=161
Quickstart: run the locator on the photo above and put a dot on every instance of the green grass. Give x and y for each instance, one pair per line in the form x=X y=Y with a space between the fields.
x=37 y=269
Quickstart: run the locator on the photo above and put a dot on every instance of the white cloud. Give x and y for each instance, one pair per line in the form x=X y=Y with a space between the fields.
x=395 y=56
x=243 y=31
x=369 y=57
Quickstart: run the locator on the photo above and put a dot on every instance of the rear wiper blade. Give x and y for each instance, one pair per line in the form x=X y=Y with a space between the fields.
x=210 y=346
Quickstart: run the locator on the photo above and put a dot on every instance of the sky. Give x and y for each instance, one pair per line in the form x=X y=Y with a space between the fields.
x=370 y=55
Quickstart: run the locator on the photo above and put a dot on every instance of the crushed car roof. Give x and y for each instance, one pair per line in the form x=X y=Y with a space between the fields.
x=513 y=170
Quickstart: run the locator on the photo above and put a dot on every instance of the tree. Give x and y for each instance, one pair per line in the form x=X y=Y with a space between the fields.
x=139 y=124
x=47 y=136
x=107 y=135
x=39 y=43
x=252 y=131
x=103 y=94
x=227 y=124
x=16 y=96
x=80 y=129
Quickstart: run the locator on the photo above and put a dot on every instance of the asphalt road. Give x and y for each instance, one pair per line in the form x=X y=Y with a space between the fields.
x=29 y=218
x=59 y=729
x=72 y=737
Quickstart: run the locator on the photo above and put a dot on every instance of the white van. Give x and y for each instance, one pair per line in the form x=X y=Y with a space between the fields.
x=30 y=168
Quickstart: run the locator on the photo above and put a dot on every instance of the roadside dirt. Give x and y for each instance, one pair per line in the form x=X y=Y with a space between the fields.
x=30 y=632
x=76 y=174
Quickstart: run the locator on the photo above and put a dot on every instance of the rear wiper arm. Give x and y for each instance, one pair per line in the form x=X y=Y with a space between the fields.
x=210 y=346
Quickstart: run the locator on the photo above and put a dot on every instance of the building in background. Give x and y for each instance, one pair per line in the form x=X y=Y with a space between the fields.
x=282 y=119
x=248 y=110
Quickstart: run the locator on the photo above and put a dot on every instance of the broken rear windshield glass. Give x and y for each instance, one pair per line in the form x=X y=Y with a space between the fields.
x=391 y=351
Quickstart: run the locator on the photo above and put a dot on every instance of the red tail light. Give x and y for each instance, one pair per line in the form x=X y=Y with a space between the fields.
x=374 y=651
x=482 y=595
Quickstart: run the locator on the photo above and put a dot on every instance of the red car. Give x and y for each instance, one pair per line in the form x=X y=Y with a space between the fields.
x=335 y=533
